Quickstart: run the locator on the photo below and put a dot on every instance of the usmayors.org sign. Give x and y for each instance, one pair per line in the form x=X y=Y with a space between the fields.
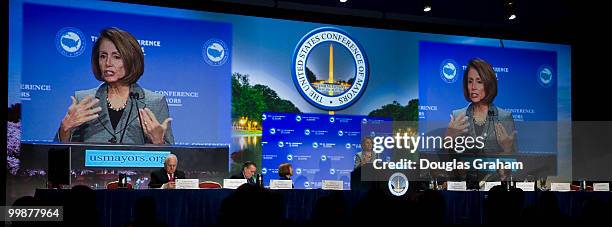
x=123 y=158
x=330 y=93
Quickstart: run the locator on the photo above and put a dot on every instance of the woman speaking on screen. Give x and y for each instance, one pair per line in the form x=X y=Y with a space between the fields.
x=481 y=118
x=113 y=111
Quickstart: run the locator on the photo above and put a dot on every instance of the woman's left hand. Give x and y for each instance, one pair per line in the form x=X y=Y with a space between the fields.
x=505 y=140
x=152 y=128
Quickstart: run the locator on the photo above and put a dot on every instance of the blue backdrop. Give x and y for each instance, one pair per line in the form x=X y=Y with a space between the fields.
x=176 y=64
x=319 y=146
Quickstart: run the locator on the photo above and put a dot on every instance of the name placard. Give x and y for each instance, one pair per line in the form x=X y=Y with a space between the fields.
x=457 y=186
x=601 y=187
x=526 y=186
x=332 y=185
x=233 y=183
x=281 y=184
x=489 y=185
x=560 y=187
x=187 y=183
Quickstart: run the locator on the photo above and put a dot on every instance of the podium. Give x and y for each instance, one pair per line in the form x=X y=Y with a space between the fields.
x=98 y=164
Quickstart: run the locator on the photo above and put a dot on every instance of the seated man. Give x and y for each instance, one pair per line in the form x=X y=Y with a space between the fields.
x=249 y=172
x=164 y=177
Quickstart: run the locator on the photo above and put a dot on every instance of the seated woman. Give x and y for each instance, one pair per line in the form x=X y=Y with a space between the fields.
x=285 y=171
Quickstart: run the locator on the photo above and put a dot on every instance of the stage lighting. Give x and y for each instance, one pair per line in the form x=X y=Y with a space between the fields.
x=426 y=6
x=510 y=6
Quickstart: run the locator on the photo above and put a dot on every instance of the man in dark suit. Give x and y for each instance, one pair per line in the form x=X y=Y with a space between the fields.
x=249 y=172
x=164 y=177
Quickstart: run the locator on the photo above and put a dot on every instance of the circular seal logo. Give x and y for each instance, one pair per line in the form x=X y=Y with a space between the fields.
x=348 y=146
x=340 y=133
x=306 y=184
x=281 y=144
x=306 y=132
x=330 y=68
x=398 y=184
x=323 y=158
x=289 y=157
x=272 y=131
x=264 y=171
x=332 y=119
x=69 y=41
x=298 y=118
x=263 y=117
x=448 y=71
x=545 y=75
x=332 y=171
x=315 y=145
x=298 y=171
x=215 y=52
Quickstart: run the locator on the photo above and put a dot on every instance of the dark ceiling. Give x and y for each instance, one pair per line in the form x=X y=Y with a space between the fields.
x=537 y=20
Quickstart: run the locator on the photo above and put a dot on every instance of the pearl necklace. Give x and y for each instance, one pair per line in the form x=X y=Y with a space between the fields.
x=117 y=108
x=480 y=120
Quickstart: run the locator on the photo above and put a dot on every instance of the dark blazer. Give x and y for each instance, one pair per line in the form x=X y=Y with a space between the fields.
x=160 y=177
x=100 y=130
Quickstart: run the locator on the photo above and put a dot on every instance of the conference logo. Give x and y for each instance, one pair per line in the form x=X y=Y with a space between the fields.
x=215 y=52
x=263 y=117
x=340 y=133
x=448 y=71
x=323 y=158
x=332 y=171
x=264 y=171
x=289 y=157
x=545 y=76
x=398 y=184
x=306 y=132
x=348 y=146
x=332 y=119
x=306 y=184
x=298 y=171
x=364 y=121
x=330 y=68
x=272 y=131
x=281 y=144
x=298 y=118
x=315 y=145
x=69 y=41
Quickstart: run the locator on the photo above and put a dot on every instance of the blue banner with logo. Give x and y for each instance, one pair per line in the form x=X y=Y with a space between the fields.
x=188 y=61
x=526 y=87
x=319 y=146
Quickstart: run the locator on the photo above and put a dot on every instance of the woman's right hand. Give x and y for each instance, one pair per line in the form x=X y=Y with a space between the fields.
x=457 y=126
x=78 y=113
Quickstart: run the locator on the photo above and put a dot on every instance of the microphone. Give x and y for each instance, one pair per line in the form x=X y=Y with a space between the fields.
x=136 y=96
x=113 y=139
x=491 y=113
x=493 y=117
x=128 y=119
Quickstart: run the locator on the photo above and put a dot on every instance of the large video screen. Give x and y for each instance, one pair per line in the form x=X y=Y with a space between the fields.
x=217 y=75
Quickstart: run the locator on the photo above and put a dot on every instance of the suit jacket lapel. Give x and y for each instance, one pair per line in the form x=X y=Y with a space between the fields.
x=165 y=177
x=103 y=114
